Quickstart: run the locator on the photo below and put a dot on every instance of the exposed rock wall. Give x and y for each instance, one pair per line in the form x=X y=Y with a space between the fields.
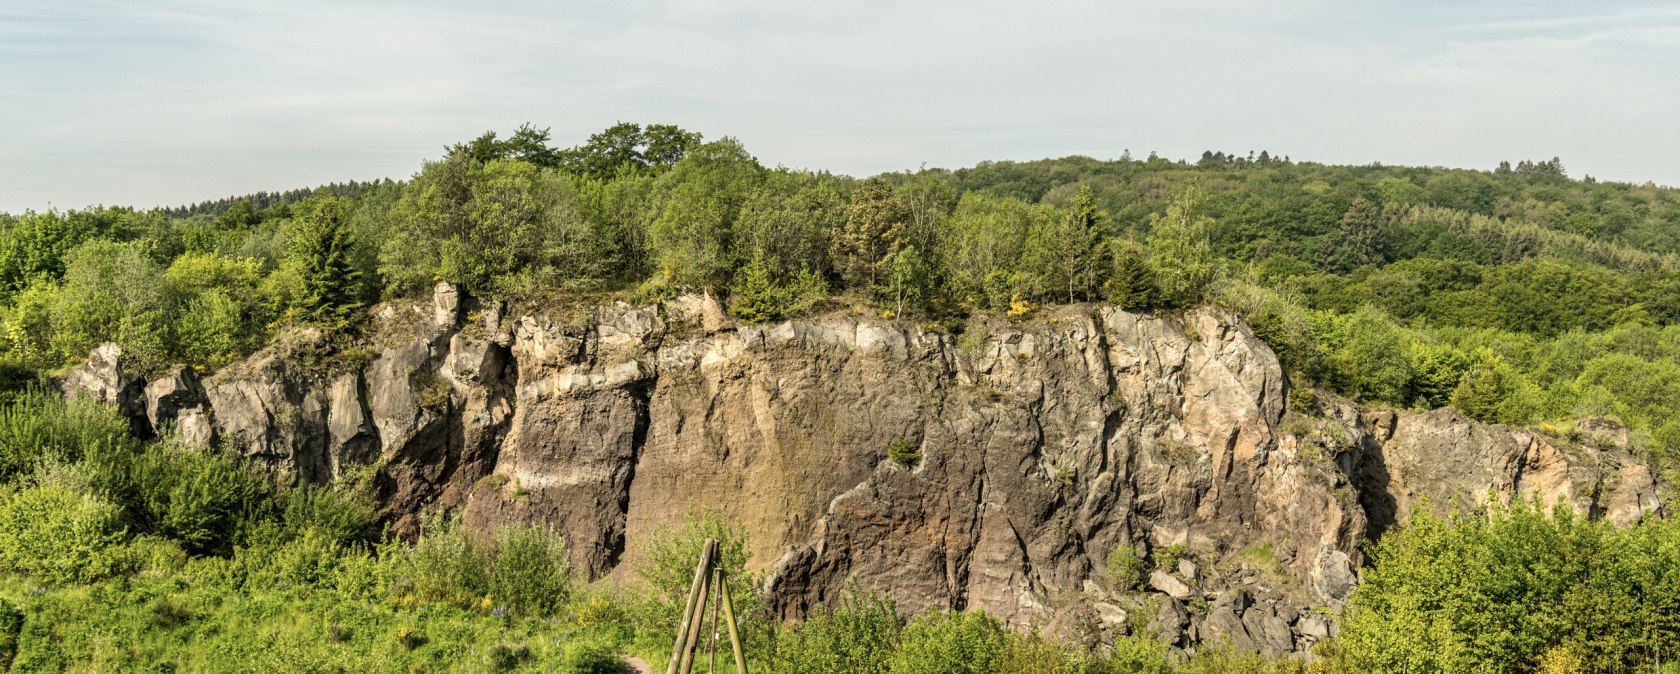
x=1045 y=447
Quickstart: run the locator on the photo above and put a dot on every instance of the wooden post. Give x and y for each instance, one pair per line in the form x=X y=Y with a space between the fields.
x=708 y=559
x=734 y=633
x=691 y=610
x=712 y=636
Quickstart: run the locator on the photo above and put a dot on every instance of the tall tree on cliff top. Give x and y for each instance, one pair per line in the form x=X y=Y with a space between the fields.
x=692 y=239
x=627 y=146
x=1066 y=247
x=1180 y=249
x=874 y=225
x=320 y=255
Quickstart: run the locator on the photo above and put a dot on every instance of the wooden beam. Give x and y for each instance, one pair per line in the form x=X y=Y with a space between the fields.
x=734 y=632
x=702 y=572
x=708 y=560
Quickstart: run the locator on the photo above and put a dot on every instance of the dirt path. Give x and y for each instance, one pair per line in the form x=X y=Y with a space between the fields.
x=637 y=665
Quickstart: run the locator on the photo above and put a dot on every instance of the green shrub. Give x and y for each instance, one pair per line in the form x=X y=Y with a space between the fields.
x=311 y=557
x=667 y=563
x=1513 y=588
x=950 y=643
x=57 y=535
x=168 y=612
x=522 y=569
x=530 y=574
x=593 y=656
x=1125 y=567
x=408 y=638
x=507 y=657
x=902 y=451
x=39 y=424
x=858 y=635
x=1494 y=391
x=446 y=565
x=336 y=510
x=1137 y=655
x=156 y=556
x=1167 y=557
x=206 y=500
x=213 y=330
x=112 y=292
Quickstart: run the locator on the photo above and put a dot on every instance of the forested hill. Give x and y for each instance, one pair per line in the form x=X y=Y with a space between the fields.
x=238 y=211
x=1519 y=295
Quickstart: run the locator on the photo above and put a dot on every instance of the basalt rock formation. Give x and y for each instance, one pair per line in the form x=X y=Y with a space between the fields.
x=1089 y=471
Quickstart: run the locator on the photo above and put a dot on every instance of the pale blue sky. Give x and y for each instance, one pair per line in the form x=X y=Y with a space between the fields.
x=159 y=102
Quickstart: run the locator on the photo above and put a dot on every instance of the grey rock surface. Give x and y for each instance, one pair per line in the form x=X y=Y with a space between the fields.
x=1044 y=445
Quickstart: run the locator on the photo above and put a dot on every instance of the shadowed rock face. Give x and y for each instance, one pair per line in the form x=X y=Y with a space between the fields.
x=1044 y=447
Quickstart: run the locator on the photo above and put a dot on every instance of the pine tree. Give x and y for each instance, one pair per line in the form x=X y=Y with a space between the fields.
x=755 y=297
x=1361 y=236
x=1064 y=248
x=1132 y=285
x=321 y=261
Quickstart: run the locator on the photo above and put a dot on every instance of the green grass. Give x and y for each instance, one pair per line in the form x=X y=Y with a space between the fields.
x=189 y=622
x=1261 y=558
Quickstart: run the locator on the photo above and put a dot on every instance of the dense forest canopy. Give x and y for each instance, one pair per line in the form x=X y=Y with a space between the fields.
x=1519 y=295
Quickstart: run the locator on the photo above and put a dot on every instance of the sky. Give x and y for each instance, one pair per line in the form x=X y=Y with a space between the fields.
x=164 y=102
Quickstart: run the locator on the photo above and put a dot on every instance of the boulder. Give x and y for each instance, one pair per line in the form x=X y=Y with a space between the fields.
x=1170 y=621
x=1223 y=626
x=107 y=378
x=1165 y=582
x=1268 y=632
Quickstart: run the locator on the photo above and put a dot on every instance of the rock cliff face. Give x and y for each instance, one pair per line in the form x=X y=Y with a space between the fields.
x=1043 y=454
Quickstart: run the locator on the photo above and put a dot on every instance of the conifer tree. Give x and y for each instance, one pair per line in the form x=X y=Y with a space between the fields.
x=755 y=296
x=1361 y=235
x=1066 y=248
x=320 y=258
x=1132 y=286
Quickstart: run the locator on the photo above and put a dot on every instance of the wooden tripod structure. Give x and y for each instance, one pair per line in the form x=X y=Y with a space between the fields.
x=708 y=581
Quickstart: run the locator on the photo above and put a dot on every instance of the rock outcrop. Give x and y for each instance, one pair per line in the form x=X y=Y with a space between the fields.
x=1037 y=451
